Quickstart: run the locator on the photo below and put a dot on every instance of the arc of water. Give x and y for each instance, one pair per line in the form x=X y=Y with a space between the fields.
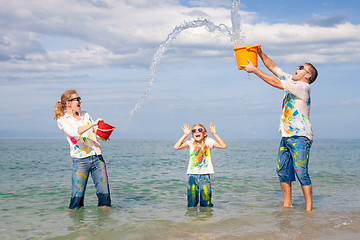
x=210 y=26
x=237 y=35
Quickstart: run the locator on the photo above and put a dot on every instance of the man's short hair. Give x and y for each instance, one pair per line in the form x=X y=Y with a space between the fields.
x=313 y=72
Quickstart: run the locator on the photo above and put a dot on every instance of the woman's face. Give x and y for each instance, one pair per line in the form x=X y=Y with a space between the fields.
x=74 y=103
x=198 y=133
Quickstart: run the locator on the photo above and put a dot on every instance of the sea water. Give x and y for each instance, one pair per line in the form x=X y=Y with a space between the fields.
x=148 y=191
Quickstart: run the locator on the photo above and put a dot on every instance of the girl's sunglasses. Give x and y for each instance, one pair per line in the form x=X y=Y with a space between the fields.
x=76 y=98
x=199 y=130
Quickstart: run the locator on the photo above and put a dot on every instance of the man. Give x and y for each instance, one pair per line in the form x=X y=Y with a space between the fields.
x=295 y=126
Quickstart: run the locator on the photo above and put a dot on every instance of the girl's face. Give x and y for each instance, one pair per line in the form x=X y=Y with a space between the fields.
x=198 y=133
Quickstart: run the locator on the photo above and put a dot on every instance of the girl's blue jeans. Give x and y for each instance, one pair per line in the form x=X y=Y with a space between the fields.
x=81 y=169
x=199 y=187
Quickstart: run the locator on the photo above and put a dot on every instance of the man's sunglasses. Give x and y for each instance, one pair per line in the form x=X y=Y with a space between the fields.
x=76 y=98
x=302 y=67
x=199 y=130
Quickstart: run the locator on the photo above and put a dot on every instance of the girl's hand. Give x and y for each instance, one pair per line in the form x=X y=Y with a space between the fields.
x=212 y=129
x=186 y=128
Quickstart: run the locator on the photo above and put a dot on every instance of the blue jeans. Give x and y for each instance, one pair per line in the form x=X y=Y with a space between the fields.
x=81 y=169
x=199 y=185
x=294 y=159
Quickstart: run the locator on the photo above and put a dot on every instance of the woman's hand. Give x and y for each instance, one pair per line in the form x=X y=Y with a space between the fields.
x=97 y=121
x=104 y=139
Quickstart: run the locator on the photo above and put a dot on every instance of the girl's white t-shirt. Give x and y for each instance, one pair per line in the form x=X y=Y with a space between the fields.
x=200 y=164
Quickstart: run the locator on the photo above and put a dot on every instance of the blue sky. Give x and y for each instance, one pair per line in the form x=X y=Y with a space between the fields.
x=104 y=48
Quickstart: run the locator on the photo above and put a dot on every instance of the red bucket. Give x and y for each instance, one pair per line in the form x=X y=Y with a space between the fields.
x=104 y=130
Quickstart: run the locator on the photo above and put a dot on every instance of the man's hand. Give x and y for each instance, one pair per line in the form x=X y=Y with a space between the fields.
x=250 y=68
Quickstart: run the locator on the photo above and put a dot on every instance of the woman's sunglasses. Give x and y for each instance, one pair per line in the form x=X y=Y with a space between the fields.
x=199 y=130
x=76 y=98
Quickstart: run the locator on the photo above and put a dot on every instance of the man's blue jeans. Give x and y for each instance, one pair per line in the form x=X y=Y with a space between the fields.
x=81 y=169
x=293 y=159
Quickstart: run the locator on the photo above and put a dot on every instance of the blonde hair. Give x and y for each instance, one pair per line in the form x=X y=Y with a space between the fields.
x=61 y=105
x=200 y=149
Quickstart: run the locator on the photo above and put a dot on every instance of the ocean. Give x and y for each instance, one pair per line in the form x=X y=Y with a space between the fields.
x=148 y=192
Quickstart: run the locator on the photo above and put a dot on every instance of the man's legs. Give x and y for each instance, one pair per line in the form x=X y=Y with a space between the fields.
x=285 y=171
x=293 y=160
x=308 y=195
x=286 y=189
x=307 y=191
x=301 y=153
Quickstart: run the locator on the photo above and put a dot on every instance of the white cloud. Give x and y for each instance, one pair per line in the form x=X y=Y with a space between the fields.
x=304 y=42
x=127 y=33
x=355 y=101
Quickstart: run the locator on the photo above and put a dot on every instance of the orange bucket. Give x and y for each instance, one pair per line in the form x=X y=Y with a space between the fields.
x=244 y=53
x=104 y=130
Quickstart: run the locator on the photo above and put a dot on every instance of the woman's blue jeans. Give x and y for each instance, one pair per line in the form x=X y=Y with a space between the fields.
x=81 y=169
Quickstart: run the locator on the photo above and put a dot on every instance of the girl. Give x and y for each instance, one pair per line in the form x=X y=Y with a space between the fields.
x=200 y=166
x=85 y=150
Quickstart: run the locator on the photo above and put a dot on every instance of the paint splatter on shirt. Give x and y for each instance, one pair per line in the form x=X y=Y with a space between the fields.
x=200 y=164
x=82 y=146
x=295 y=114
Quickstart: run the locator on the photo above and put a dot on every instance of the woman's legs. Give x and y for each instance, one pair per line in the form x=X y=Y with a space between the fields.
x=80 y=175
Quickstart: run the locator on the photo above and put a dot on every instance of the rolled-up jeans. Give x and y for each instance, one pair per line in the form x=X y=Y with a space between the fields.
x=81 y=169
x=293 y=159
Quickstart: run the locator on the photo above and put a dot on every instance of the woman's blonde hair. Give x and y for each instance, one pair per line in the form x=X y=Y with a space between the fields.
x=61 y=105
x=200 y=149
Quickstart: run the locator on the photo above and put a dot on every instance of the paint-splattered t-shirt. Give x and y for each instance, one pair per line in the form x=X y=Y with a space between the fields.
x=200 y=164
x=295 y=114
x=81 y=146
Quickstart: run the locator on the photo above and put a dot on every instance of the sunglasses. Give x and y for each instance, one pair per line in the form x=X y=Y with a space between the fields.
x=302 y=67
x=76 y=98
x=199 y=130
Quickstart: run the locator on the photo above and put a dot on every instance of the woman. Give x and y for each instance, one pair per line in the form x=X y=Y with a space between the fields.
x=85 y=150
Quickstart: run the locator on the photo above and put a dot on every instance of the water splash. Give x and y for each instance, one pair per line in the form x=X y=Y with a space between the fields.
x=209 y=25
x=238 y=37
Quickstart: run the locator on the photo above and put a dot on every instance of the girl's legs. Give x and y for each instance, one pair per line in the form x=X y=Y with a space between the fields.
x=193 y=190
x=205 y=190
x=199 y=187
